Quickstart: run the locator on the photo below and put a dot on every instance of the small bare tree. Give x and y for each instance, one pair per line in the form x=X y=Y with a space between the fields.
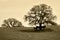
x=40 y=14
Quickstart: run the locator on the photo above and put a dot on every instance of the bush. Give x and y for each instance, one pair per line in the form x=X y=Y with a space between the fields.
x=11 y=22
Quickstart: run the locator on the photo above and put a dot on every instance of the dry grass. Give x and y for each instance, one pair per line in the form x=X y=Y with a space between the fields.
x=23 y=33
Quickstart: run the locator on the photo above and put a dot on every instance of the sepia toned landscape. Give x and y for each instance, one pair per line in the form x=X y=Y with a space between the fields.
x=29 y=20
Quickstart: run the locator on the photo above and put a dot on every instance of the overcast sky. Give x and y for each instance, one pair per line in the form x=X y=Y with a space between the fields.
x=18 y=8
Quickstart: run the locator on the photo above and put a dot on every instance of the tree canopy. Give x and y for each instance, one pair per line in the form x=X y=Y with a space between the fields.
x=40 y=14
x=11 y=22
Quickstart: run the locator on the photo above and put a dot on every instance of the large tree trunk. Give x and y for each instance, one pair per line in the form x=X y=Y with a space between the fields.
x=40 y=27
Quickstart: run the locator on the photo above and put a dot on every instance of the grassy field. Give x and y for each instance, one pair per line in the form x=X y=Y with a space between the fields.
x=27 y=33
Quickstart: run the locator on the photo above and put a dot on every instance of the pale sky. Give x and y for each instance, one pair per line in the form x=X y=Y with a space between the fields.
x=18 y=8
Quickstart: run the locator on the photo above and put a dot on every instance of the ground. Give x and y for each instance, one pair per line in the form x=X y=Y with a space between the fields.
x=27 y=33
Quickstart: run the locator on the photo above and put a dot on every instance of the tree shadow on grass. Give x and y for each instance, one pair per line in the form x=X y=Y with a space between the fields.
x=32 y=30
